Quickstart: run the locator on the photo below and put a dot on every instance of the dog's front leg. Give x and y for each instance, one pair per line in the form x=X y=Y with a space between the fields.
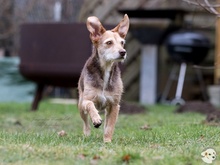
x=110 y=120
x=89 y=108
x=86 y=125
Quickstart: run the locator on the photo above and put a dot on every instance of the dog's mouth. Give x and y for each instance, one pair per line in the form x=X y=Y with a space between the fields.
x=121 y=58
x=118 y=59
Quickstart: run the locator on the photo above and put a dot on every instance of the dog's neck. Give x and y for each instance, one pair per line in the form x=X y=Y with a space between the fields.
x=106 y=68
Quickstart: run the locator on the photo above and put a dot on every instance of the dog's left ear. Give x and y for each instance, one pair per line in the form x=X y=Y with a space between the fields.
x=122 y=27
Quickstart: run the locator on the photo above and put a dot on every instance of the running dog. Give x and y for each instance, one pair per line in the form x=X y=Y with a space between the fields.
x=100 y=86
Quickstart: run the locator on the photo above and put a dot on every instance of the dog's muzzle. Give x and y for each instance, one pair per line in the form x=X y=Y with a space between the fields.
x=122 y=54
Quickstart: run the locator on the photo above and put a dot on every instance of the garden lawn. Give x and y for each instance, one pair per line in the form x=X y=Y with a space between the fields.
x=157 y=137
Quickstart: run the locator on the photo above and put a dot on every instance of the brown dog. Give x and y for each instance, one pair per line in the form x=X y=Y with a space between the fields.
x=100 y=86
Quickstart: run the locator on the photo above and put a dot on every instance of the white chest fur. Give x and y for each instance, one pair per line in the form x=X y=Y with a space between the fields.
x=106 y=79
x=104 y=96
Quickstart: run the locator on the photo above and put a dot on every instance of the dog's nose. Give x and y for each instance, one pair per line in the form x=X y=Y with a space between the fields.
x=122 y=53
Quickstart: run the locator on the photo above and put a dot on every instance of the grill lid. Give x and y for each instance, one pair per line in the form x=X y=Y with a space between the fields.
x=188 y=46
x=188 y=38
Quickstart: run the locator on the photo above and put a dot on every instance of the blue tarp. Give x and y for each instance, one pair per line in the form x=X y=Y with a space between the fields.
x=13 y=87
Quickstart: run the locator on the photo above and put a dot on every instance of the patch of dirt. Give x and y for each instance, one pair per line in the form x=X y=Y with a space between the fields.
x=206 y=108
x=196 y=106
x=131 y=108
x=213 y=117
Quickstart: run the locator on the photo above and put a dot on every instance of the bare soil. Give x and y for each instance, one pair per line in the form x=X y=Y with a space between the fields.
x=131 y=108
x=206 y=108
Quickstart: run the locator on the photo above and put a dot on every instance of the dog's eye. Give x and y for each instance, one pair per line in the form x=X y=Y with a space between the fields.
x=122 y=42
x=109 y=42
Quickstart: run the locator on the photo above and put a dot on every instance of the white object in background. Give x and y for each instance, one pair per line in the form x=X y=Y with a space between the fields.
x=2 y=52
x=214 y=95
x=57 y=11
x=148 y=75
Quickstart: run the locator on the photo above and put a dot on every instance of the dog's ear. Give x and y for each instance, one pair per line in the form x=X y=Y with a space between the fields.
x=122 y=27
x=95 y=28
x=204 y=153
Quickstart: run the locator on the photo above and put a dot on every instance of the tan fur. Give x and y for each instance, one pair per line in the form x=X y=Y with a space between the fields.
x=100 y=86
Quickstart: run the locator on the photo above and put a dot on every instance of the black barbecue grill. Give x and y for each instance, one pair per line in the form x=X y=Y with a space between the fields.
x=188 y=46
x=185 y=47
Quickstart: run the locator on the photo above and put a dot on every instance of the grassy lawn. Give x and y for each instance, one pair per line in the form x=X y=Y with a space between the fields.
x=173 y=139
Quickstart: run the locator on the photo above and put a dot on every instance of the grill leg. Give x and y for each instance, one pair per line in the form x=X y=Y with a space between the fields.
x=178 y=98
x=169 y=83
x=37 y=97
x=202 y=84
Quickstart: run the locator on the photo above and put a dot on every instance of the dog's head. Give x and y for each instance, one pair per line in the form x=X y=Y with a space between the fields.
x=209 y=154
x=109 y=43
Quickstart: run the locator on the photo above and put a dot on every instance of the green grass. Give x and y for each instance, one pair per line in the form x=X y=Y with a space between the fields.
x=174 y=139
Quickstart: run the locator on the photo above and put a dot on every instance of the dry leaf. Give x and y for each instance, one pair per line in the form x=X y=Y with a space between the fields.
x=81 y=156
x=145 y=127
x=62 y=133
x=95 y=159
x=126 y=158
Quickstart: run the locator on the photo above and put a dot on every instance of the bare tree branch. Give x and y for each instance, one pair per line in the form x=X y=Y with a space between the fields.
x=206 y=5
x=199 y=4
x=211 y=7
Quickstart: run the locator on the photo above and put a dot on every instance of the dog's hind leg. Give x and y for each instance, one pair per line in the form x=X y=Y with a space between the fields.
x=110 y=120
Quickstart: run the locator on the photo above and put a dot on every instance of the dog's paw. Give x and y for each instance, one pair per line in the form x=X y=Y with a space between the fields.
x=97 y=123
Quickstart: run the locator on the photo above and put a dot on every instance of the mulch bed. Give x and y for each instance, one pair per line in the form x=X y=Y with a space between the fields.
x=131 y=108
x=206 y=108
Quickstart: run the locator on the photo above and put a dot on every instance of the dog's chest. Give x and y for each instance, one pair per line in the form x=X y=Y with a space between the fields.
x=103 y=96
x=103 y=99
